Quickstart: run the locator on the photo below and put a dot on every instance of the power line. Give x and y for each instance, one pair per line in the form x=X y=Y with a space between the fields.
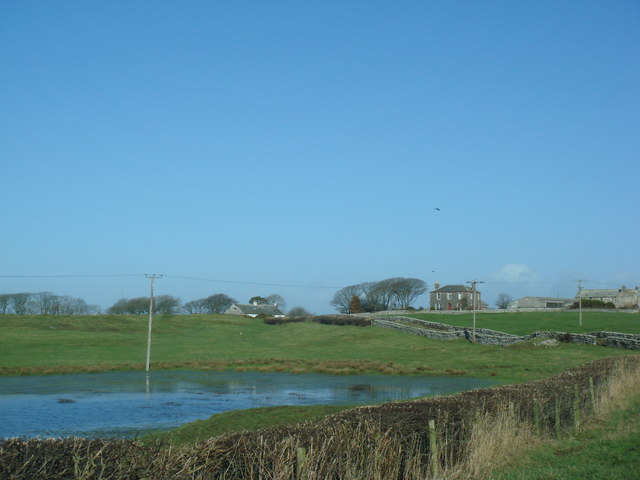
x=178 y=277
x=108 y=275
x=268 y=284
x=526 y=283
x=217 y=280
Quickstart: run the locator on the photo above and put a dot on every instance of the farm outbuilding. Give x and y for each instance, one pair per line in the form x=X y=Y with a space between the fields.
x=541 y=302
x=621 y=297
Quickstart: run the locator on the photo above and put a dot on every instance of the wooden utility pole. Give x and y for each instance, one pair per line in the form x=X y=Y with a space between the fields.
x=580 y=299
x=152 y=278
x=473 y=298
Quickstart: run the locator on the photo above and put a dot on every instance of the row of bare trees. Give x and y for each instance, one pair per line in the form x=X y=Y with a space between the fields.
x=47 y=303
x=389 y=294
x=217 y=303
x=170 y=305
x=44 y=303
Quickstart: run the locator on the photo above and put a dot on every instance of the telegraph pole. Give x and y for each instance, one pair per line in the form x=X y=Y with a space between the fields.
x=473 y=297
x=152 y=278
x=580 y=299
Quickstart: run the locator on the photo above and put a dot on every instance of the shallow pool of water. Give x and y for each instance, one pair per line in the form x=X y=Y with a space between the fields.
x=127 y=404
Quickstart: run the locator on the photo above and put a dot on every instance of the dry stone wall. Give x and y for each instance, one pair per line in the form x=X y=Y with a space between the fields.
x=484 y=336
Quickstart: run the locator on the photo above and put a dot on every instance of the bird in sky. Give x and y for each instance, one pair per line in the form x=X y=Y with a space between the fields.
x=437 y=209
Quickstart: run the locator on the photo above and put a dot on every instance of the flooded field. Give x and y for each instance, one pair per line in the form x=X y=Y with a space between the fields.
x=127 y=404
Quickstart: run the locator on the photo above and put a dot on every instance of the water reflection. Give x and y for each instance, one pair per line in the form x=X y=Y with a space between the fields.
x=126 y=404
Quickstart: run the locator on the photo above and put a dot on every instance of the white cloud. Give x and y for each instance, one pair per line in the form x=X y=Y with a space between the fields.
x=514 y=273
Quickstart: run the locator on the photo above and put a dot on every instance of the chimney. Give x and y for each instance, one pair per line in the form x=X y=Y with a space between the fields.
x=436 y=286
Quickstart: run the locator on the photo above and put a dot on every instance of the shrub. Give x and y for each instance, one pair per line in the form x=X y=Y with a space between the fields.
x=322 y=319
x=342 y=320
x=593 y=303
x=282 y=320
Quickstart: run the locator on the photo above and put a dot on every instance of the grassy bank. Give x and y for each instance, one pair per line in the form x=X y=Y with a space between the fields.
x=35 y=345
x=523 y=323
x=607 y=445
x=607 y=448
x=243 y=420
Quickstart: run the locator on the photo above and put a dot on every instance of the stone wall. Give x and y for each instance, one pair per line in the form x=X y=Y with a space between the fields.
x=484 y=336
x=496 y=311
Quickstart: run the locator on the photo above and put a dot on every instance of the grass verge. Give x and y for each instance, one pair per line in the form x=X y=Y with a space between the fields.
x=607 y=446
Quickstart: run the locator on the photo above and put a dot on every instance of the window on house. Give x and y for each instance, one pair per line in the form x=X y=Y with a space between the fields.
x=448 y=296
x=438 y=295
x=459 y=296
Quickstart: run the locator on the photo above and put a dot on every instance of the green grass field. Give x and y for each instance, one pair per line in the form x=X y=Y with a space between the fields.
x=606 y=448
x=31 y=344
x=523 y=323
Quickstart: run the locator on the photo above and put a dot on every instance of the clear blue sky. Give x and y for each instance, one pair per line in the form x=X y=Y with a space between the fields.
x=308 y=144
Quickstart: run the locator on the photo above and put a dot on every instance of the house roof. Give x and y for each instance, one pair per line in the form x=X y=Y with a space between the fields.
x=598 y=293
x=608 y=292
x=453 y=288
x=249 y=309
x=551 y=299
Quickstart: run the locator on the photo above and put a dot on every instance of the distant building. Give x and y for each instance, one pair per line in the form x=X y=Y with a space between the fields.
x=454 y=297
x=541 y=302
x=621 y=297
x=253 y=310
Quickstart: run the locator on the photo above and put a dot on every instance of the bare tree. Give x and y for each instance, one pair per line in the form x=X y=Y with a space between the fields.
x=20 y=303
x=217 y=303
x=342 y=297
x=376 y=296
x=119 y=307
x=166 y=304
x=381 y=295
x=396 y=292
x=503 y=300
x=44 y=302
x=5 y=301
x=406 y=291
x=195 y=306
x=134 y=306
x=275 y=299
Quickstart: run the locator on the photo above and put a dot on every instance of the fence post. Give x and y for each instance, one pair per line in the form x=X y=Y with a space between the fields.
x=536 y=416
x=592 y=393
x=433 y=449
x=301 y=456
x=556 y=407
x=576 y=407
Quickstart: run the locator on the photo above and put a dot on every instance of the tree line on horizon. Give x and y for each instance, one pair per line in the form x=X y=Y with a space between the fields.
x=47 y=303
x=391 y=293
x=170 y=305
x=44 y=303
x=397 y=293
